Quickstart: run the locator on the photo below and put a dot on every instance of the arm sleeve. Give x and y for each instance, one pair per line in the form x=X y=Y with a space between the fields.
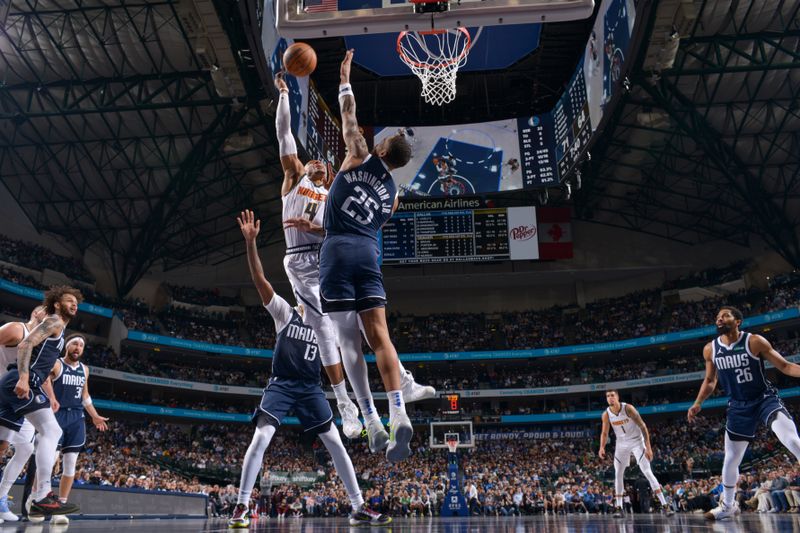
x=283 y=125
x=280 y=310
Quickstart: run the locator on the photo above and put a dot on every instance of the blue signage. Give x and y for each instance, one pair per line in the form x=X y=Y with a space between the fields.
x=36 y=294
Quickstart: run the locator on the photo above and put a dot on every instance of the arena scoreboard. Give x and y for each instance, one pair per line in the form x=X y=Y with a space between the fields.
x=461 y=235
x=451 y=404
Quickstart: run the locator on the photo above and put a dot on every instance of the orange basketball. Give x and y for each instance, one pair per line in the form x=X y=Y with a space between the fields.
x=300 y=59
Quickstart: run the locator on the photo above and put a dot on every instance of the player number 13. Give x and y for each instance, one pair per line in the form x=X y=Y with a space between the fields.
x=311 y=352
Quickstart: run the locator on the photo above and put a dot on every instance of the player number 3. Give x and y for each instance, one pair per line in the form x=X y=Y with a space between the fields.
x=368 y=204
x=743 y=375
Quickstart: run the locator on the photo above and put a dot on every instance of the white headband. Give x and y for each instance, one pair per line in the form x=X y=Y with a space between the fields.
x=75 y=339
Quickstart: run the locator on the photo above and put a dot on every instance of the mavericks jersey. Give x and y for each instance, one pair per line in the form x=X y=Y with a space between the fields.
x=68 y=387
x=8 y=354
x=44 y=357
x=740 y=373
x=305 y=200
x=296 y=354
x=624 y=428
x=361 y=200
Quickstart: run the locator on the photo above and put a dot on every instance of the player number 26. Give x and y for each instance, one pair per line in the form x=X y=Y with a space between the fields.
x=368 y=204
x=743 y=375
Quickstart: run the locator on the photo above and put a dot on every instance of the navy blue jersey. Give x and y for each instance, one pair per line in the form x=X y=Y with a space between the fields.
x=68 y=387
x=44 y=357
x=360 y=200
x=296 y=354
x=740 y=373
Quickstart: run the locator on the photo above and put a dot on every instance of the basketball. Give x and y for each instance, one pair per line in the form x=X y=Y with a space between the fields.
x=300 y=59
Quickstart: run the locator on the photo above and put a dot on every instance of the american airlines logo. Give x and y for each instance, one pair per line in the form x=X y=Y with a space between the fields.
x=523 y=233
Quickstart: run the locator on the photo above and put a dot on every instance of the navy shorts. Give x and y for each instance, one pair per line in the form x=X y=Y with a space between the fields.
x=350 y=277
x=303 y=398
x=12 y=409
x=745 y=417
x=73 y=426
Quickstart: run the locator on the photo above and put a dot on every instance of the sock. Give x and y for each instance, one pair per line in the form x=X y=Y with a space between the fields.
x=340 y=390
x=14 y=466
x=49 y=433
x=396 y=403
x=252 y=461
x=661 y=498
x=368 y=410
x=618 y=500
x=344 y=466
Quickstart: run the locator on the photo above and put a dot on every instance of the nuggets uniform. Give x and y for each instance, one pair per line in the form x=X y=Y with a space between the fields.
x=752 y=399
x=295 y=383
x=68 y=388
x=8 y=359
x=359 y=203
x=307 y=200
x=630 y=440
x=13 y=409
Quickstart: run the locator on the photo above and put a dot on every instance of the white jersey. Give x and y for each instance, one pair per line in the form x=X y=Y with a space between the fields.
x=8 y=354
x=625 y=428
x=305 y=200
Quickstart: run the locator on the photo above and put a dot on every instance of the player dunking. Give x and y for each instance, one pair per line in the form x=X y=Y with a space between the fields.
x=736 y=359
x=633 y=438
x=361 y=199
x=11 y=335
x=304 y=192
x=22 y=393
x=70 y=378
x=294 y=384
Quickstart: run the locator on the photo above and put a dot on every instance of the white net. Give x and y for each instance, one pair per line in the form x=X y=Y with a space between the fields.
x=435 y=57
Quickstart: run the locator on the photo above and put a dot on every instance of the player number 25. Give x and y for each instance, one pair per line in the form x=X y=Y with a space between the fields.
x=369 y=204
x=743 y=375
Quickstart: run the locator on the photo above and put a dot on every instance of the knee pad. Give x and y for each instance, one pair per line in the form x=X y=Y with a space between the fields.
x=69 y=461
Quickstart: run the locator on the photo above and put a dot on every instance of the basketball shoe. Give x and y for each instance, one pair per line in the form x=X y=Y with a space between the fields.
x=239 y=518
x=5 y=514
x=723 y=512
x=367 y=517
x=400 y=433
x=50 y=505
x=413 y=391
x=376 y=436
x=351 y=425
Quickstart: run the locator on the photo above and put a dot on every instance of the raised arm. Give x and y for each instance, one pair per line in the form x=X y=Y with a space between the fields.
x=762 y=348
x=354 y=140
x=708 y=385
x=98 y=421
x=637 y=419
x=250 y=228
x=50 y=326
x=604 y=435
x=287 y=148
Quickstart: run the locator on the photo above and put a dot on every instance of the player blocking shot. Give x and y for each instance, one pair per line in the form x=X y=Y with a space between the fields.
x=735 y=359
x=22 y=393
x=304 y=193
x=293 y=385
x=362 y=197
x=632 y=438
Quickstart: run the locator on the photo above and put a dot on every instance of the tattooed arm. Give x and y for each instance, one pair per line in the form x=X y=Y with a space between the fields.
x=51 y=326
x=637 y=419
x=354 y=140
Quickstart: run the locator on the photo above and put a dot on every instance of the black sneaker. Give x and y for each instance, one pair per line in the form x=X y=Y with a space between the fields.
x=239 y=518
x=50 y=505
x=367 y=517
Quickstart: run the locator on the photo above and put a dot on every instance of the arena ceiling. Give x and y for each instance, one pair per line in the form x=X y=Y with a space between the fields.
x=141 y=127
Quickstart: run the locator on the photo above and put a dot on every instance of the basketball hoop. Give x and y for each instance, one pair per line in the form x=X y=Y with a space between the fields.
x=452 y=442
x=435 y=56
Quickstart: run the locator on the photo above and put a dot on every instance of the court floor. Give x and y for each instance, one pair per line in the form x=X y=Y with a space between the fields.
x=750 y=523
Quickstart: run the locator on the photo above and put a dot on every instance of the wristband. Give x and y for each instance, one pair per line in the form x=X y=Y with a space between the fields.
x=87 y=401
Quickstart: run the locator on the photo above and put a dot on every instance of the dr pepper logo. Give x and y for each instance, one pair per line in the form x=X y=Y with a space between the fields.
x=522 y=233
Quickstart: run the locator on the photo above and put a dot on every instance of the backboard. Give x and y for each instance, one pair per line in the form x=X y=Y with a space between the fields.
x=441 y=430
x=310 y=19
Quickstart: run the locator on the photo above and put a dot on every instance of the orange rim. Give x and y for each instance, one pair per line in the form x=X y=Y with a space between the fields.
x=407 y=60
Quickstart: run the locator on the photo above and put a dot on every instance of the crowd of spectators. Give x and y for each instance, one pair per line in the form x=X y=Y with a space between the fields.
x=195 y=296
x=500 y=477
x=39 y=258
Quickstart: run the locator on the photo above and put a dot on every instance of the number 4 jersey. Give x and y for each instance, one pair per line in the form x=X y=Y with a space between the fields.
x=296 y=352
x=740 y=372
x=307 y=201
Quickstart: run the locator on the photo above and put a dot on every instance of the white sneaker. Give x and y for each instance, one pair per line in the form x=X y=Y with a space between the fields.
x=377 y=436
x=351 y=425
x=400 y=435
x=722 y=512
x=413 y=391
x=59 y=519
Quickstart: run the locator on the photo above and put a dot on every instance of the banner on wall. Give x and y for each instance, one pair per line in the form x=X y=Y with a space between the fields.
x=535 y=435
x=555 y=232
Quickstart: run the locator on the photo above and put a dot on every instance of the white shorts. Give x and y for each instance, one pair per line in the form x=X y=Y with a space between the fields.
x=24 y=435
x=624 y=450
x=303 y=273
